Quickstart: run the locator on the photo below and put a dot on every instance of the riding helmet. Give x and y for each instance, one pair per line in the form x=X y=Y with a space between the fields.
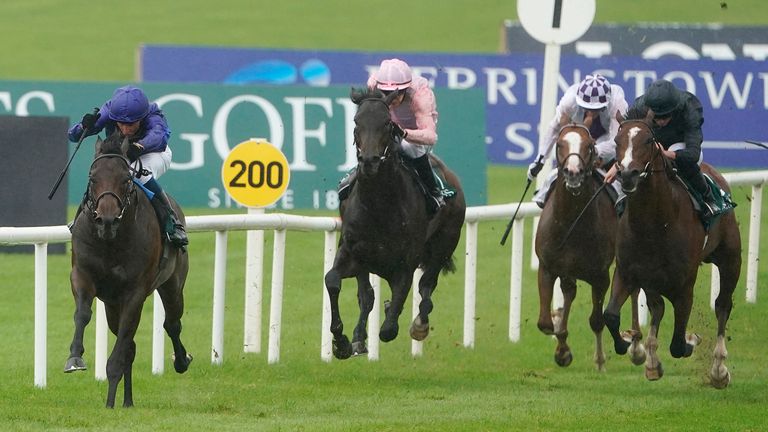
x=393 y=74
x=594 y=92
x=662 y=97
x=128 y=104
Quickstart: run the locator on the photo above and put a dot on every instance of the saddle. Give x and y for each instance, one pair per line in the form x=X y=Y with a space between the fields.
x=722 y=200
x=447 y=190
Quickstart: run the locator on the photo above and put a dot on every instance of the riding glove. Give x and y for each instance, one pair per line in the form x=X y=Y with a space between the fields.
x=399 y=131
x=535 y=167
x=134 y=151
x=89 y=120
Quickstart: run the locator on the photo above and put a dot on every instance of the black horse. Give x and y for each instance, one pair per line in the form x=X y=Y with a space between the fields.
x=119 y=256
x=387 y=230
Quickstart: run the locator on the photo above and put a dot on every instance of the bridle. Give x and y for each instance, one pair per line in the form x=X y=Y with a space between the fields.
x=93 y=203
x=590 y=157
x=656 y=151
x=390 y=125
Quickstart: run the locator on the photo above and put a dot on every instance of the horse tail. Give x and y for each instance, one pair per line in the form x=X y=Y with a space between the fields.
x=449 y=266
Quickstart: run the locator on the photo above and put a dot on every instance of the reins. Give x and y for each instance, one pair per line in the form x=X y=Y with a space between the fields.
x=122 y=203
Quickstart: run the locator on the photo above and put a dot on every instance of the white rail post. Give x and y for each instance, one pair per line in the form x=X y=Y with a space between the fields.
x=417 y=347
x=158 y=341
x=276 y=298
x=102 y=338
x=326 y=344
x=753 y=251
x=219 y=291
x=41 y=314
x=470 y=284
x=254 y=276
x=714 y=286
x=516 y=282
x=374 y=322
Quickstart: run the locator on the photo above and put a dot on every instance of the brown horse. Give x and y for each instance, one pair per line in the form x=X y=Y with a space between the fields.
x=588 y=253
x=387 y=230
x=661 y=242
x=119 y=256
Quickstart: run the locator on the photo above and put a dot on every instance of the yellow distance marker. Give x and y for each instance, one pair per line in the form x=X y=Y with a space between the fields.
x=255 y=173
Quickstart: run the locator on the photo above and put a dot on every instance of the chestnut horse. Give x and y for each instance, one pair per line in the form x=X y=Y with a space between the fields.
x=660 y=244
x=386 y=229
x=588 y=253
x=119 y=256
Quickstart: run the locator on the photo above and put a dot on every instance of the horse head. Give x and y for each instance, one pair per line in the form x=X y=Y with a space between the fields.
x=576 y=154
x=636 y=151
x=374 y=133
x=110 y=185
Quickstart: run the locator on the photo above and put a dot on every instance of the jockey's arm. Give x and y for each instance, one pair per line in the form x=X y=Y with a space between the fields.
x=425 y=113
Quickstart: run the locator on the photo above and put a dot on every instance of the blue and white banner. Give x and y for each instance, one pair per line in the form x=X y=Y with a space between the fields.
x=734 y=93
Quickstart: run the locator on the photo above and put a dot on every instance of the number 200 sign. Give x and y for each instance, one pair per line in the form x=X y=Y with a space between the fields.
x=255 y=173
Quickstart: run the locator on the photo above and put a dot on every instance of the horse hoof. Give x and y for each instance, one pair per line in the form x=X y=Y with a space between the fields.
x=419 y=331
x=721 y=382
x=75 y=364
x=342 y=349
x=389 y=333
x=359 y=348
x=620 y=346
x=564 y=360
x=181 y=365
x=637 y=356
x=654 y=374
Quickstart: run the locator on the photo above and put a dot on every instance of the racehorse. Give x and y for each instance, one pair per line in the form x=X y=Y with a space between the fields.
x=387 y=230
x=119 y=256
x=660 y=243
x=587 y=253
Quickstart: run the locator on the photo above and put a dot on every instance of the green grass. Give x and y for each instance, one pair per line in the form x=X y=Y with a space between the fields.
x=498 y=385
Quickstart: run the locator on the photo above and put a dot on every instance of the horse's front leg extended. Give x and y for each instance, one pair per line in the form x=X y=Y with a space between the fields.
x=596 y=321
x=342 y=349
x=123 y=322
x=563 y=355
x=82 y=293
x=636 y=349
x=420 y=326
x=365 y=299
x=612 y=312
x=400 y=285
x=546 y=286
x=653 y=368
x=682 y=345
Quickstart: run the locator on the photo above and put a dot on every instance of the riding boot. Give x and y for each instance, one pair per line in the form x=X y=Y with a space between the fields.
x=700 y=185
x=169 y=222
x=424 y=168
x=346 y=183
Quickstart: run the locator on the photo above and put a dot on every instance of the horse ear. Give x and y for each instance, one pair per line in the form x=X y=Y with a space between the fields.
x=390 y=97
x=619 y=116
x=564 y=120
x=356 y=95
x=124 y=145
x=98 y=145
x=649 y=116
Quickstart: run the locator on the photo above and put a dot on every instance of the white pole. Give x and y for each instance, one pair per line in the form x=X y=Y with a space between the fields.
x=753 y=251
x=276 y=298
x=516 y=283
x=714 y=286
x=41 y=313
x=470 y=284
x=219 y=290
x=642 y=309
x=254 y=276
x=158 y=341
x=374 y=320
x=100 y=368
x=326 y=338
x=417 y=347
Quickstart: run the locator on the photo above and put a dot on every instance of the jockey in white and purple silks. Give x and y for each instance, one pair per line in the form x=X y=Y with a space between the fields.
x=145 y=126
x=593 y=96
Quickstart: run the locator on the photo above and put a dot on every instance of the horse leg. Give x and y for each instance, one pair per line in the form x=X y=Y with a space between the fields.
x=682 y=344
x=123 y=324
x=365 y=299
x=83 y=293
x=719 y=375
x=635 y=336
x=546 y=286
x=596 y=321
x=563 y=355
x=612 y=314
x=400 y=285
x=172 y=295
x=420 y=326
x=128 y=376
x=342 y=349
x=653 y=369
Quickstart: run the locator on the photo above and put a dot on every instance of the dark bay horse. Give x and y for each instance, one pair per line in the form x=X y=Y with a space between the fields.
x=660 y=245
x=587 y=253
x=118 y=256
x=386 y=229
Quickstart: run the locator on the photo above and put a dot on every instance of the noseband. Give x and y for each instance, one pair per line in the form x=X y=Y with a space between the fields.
x=122 y=203
x=648 y=169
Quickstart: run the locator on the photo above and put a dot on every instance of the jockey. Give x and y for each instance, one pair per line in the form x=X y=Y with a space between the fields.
x=593 y=97
x=145 y=126
x=678 y=116
x=414 y=113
